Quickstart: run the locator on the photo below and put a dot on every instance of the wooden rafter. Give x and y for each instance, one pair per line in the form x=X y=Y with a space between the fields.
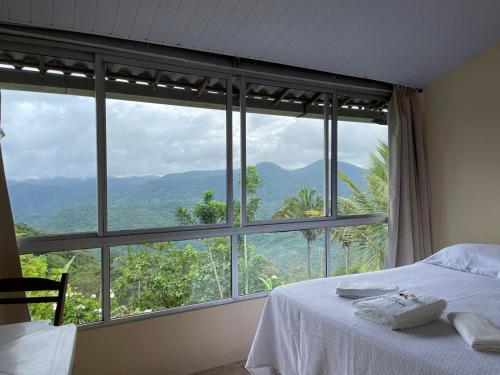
x=312 y=100
x=343 y=102
x=203 y=87
x=156 y=79
x=41 y=64
x=248 y=87
x=282 y=96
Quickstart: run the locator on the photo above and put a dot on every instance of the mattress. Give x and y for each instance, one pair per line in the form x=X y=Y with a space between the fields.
x=305 y=328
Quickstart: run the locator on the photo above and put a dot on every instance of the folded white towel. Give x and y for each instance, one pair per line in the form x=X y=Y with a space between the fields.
x=400 y=310
x=477 y=330
x=363 y=289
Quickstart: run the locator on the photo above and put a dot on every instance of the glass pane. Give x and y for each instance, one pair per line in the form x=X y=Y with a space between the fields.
x=166 y=142
x=164 y=275
x=358 y=249
x=285 y=157
x=271 y=259
x=83 y=296
x=362 y=168
x=236 y=168
x=49 y=151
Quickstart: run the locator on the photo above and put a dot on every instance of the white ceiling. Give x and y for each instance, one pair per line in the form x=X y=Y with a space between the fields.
x=398 y=41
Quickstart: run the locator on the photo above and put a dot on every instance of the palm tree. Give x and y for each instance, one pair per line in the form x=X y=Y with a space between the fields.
x=371 y=240
x=346 y=237
x=305 y=204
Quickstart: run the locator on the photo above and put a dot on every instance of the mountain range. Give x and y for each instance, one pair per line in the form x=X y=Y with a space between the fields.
x=64 y=205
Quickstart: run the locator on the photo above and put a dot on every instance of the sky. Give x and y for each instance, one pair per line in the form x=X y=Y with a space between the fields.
x=53 y=135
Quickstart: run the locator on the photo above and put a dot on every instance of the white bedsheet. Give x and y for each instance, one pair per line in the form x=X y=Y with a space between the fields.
x=306 y=329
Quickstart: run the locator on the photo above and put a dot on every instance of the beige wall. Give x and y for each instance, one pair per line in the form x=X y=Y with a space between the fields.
x=173 y=344
x=9 y=259
x=463 y=149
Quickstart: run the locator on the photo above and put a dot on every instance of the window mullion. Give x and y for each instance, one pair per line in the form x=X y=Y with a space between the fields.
x=234 y=266
x=326 y=157
x=328 y=250
x=106 y=283
x=333 y=151
x=243 y=153
x=229 y=150
x=100 y=100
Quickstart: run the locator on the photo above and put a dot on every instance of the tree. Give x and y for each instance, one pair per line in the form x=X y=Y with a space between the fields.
x=370 y=240
x=80 y=307
x=305 y=204
x=253 y=182
x=209 y=211
x=154 y=276
x=24 y=230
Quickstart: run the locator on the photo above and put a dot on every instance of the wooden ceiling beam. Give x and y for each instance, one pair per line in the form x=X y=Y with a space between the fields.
x=312 y=99
x=203 y=87
x=248 y=87
x=343 y=102
x=156 y=79
x=282 y=96
x=41 y=64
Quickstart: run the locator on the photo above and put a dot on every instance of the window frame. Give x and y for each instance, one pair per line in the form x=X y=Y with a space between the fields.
x=171 y=60
x=327 y=150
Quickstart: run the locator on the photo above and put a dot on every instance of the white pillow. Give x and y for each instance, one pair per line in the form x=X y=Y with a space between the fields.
x=482 y=259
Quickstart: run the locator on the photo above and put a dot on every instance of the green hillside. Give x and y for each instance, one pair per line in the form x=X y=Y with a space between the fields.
x=68 y=205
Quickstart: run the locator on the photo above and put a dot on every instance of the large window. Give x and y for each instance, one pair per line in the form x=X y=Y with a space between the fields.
x=285 y=156
x=50 y=153
x=140 y=164
x=165 y=155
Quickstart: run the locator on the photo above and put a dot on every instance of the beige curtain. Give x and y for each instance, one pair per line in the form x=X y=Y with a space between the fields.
x=10 y=265
x=409 y=194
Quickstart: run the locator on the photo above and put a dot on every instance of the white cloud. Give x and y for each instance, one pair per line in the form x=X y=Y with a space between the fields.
x=52 y=135
x=48 y=135
x=357 y=140
x=287 y=141
x=145 y=138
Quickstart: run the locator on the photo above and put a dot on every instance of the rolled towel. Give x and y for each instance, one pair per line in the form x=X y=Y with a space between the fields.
x=363 y=289
x=400 y=310
x=477 y=330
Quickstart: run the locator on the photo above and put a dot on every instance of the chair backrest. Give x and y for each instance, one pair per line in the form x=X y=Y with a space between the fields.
x=32 y=284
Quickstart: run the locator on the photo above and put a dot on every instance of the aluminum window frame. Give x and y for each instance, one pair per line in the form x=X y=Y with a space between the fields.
x=329 y=94
x=103 y=60
x=105 y=239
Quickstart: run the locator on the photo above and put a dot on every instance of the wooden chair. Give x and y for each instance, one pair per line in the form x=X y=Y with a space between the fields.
x=32 y=284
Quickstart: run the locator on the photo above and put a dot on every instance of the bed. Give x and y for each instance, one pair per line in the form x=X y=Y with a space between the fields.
x=306 y=329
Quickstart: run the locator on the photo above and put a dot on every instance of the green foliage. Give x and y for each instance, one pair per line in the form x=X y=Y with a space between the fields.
x=366 y=244
x=154 y=276
x=375 y=197
x=24 y=230
x=80 y=307
x=209 y=211
x=270 y=282
x=305 y=204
